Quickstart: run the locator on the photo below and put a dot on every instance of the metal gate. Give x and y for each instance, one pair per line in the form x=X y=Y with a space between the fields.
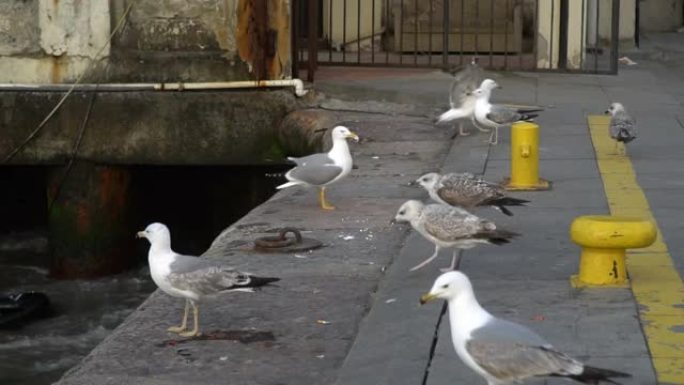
x=530 y=35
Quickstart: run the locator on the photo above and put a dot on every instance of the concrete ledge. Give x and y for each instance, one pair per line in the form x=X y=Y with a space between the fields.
x=164 y=128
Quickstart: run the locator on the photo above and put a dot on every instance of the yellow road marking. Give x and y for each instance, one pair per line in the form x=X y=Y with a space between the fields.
x=657 y=287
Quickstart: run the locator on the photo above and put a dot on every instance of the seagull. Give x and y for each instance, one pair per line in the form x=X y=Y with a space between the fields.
x=496 y=115
x=190 y=277
x=500 y=351
x=324 y=168
x=449 y=227
x=622 y=125
x=461 y=100
x=467 y=190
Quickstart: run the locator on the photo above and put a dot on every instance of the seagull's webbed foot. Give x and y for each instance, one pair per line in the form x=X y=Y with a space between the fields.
x=425 y=262
x=324 y=203
x=177 y=329
x=462 y=130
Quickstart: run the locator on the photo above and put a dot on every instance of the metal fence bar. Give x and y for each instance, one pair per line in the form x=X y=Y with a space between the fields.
x=508 y=9
x=358 y=31
x=401 y=36
x=387 y=20
x=583 y=38
x=445 y=35
x=312 y=40
x=430 y=34
x=491 y=33
x=563 y=35
x=330 y=28
x=460 y=57
x=596 y=34
x=294 y=36
x=344 y=29
x=373 y=32
x=415 y=33
x=614 y=36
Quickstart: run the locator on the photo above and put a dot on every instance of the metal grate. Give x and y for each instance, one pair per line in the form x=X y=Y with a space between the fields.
x=528 y=35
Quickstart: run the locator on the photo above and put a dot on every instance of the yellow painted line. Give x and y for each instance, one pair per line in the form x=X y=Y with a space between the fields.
x=656 y=284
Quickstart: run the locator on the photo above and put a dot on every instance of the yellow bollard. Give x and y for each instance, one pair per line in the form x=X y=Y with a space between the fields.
x=604 y=240
x=525 y=159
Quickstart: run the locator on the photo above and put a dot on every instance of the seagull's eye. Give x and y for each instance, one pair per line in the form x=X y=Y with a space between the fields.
x=425 y=179
x=445 y=286
x=402 y=212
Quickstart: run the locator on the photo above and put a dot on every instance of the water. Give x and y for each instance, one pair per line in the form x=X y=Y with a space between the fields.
x=196 y=202
x=85 y=312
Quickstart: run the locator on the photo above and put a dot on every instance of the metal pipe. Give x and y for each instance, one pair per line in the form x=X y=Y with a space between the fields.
x=298 y=85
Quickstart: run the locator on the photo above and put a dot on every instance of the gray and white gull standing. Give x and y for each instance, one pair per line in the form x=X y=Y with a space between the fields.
x=623 y=126
x=467 y=190
x=461 y=99
x=494 y=116
x=323 y=169
x=500 y=351
x=192 y=278
x=450 y=227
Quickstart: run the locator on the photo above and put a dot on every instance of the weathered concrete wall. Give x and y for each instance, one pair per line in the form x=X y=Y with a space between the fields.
x=171 y=40
x=50 y=41
x=169 y=128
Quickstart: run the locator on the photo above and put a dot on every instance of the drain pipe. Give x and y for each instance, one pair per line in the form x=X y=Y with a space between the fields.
x=171 y=86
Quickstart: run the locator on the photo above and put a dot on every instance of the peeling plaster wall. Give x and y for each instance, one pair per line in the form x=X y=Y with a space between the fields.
x=53 y=41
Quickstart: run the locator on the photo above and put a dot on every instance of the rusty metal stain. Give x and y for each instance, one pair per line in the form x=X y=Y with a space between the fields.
x=263 y=36
x=56 y=69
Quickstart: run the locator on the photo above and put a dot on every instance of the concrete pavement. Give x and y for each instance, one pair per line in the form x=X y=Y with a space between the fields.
x=360 y=284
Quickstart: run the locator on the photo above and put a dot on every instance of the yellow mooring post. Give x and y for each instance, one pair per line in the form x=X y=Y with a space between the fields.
x=525 y=159
x=604 y=240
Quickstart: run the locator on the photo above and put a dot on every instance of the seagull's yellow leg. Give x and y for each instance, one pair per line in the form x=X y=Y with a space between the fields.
x=184 y=325
x=195 y=331
x=324 y=204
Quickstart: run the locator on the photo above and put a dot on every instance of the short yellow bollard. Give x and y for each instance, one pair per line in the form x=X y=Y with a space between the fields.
x=525 y=159
x=604 y=240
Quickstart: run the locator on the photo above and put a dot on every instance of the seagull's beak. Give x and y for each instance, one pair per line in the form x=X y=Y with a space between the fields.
x=353 y=136
x=413 y=183
x=425 y=298
x=606 y=112
x=393 y=221
x=140 y=234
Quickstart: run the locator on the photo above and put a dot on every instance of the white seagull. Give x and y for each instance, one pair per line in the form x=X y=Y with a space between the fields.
x=461 y=99
x=191 y=278
x=494 y=116
x=449 y=227
x=324 y=168
x=500 y=351
x=622 y=125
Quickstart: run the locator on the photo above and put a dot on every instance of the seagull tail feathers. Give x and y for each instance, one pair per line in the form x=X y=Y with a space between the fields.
x=500 y=204
x=497 y=237
x=526 y=117
x=286 y=185
x=262 y=281
x=591 y=375
x=452 y=114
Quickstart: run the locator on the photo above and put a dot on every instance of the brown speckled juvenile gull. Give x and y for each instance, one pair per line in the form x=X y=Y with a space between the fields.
x=467 y=190
x=191 y=278
x=450 y=227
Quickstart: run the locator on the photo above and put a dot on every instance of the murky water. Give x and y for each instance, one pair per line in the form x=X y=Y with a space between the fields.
x=196 y=203
x=84 y=313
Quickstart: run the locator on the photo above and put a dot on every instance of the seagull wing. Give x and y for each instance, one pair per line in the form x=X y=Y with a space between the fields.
x=505 y=115
x=450 y=224
x=466 y=190
x=204 y=276
x=316 y=169
x=512 y=361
